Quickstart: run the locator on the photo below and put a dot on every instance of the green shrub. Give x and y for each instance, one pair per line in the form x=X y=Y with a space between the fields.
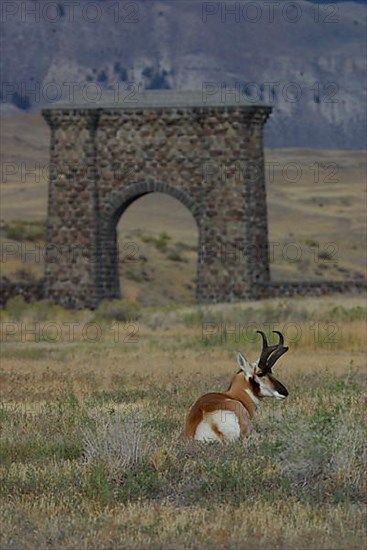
x=16 y=307
x=340 y=313
x=20 y=230
x=96 y=483
x=325 y=255
x=175 y=257
x=117 y=310
x=160 y=242
x=311 y=243
x=43 y=310
x=184 y=247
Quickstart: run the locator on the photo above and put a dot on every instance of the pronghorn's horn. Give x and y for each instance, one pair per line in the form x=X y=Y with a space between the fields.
x=266 y=351
x=281 y=337
x=278 y=352
x=265 y=342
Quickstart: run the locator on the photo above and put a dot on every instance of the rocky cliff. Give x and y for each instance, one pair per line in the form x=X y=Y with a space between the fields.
x=306 y=59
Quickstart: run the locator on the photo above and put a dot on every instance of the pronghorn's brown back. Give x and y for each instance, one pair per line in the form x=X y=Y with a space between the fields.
x=212 y=402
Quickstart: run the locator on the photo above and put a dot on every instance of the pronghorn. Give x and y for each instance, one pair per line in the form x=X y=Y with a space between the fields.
x=226 y=416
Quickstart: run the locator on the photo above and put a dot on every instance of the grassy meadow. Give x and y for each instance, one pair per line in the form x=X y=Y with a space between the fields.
x=92 y=452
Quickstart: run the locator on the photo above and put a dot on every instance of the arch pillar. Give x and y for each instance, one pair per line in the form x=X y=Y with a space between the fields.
x=72 y=252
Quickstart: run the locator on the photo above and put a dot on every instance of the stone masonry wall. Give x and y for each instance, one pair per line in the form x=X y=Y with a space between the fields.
x=309 y=288
x=35 y=291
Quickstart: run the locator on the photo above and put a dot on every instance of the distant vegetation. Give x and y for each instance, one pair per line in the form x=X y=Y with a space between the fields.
x=160 y=242
x=21 y=230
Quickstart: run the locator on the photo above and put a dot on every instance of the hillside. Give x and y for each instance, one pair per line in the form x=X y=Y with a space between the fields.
x=308 y=61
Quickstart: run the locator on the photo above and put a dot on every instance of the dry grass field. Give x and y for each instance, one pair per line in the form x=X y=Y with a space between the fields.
x=92 y=452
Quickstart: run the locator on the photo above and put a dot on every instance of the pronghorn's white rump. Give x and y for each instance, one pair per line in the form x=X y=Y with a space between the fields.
x=216 y=423
x=225 y=416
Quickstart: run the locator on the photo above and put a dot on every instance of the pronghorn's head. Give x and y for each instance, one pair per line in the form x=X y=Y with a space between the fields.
x=259 y=374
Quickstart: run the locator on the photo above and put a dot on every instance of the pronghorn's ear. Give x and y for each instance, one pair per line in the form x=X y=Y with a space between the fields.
x=244 y=365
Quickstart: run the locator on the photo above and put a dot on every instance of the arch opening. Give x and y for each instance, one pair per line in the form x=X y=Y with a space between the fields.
x=157 y=240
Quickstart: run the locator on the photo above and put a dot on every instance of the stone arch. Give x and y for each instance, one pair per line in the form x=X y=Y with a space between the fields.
x=116 y=204
x=120 y=199
x=197 y=143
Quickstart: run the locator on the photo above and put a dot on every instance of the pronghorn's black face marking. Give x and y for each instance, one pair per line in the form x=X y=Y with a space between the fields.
x=278 y=386
x=271 y=387
x=259 y=374
x=255 y=385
